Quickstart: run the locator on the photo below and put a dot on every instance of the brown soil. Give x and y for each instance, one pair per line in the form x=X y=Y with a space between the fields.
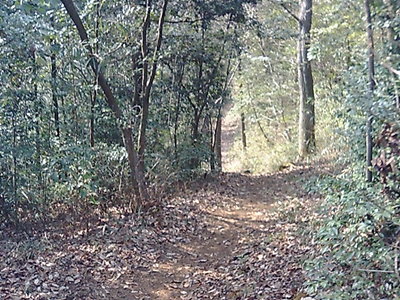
x=235 y=236
x=231 y=237
x=230 y=129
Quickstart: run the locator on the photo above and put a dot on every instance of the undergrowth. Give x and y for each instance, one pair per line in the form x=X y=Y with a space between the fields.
x=260 y=157
x=356 y=241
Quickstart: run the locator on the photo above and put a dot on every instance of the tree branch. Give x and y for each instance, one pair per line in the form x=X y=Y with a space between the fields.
x=145 y=46
x=158 y=47
x=112 y=102
x=137 y=174
x=283 y=5
x=391 y=69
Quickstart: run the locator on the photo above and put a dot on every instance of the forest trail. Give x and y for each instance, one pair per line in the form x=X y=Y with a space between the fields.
x=229 y=237
x=243 y=242
x=235 y=236
x=230 y=130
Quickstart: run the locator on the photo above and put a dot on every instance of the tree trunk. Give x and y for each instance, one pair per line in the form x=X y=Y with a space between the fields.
x=144 y=101
x=95 y=80
x=194 y=161
x=93 y=101
x=306 y=83
x=54 y=93
x=37 y=109
x=218 y=141
x=207 y=130
x=136 y=174
x=176 y=127
x=16 y=202
x=243 y=123
x=138 y=178
x=148 y=76
x=53 y=61
x=371 y=77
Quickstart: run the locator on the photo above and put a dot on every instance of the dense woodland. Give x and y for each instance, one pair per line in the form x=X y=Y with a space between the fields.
x=114 y=106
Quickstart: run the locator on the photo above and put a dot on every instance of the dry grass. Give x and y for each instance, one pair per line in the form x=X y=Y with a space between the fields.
x=262 y=157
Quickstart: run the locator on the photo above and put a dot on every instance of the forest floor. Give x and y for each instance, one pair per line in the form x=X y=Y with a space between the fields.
x=234 y=236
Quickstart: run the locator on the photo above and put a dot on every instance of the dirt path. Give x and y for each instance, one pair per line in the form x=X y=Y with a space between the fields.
x=243 y=245
x=235 y=236
x=232 y=237
x=230 y=129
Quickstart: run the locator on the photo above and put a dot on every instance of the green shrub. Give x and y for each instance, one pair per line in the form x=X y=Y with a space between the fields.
x=356 y=241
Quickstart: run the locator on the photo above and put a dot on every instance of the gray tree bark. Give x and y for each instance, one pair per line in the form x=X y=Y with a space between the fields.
x=371 y=77
x=243 y=129
x=218 y=141
x=148 y=75
x=306 y=82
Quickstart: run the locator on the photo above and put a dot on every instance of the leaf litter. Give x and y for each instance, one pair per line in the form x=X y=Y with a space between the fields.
x=235 y=236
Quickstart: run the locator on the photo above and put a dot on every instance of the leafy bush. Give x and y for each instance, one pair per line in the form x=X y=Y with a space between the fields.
x=356 y=242
x=73 y=177
x=358 y=234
